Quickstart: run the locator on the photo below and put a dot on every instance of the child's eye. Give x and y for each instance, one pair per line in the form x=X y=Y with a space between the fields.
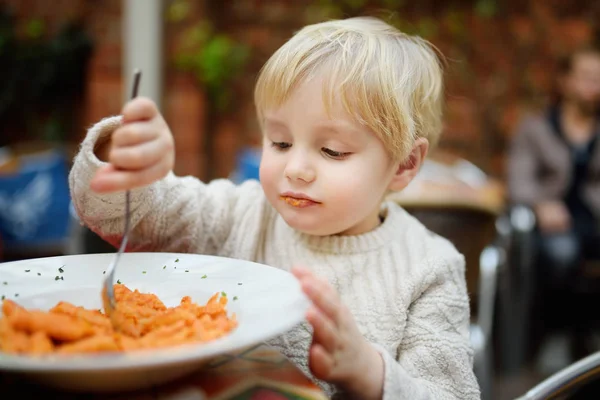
x=334 y=154
x=281 y=145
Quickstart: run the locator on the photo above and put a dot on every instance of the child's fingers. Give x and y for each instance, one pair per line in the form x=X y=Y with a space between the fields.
x=134 y=133
x=300 y=272
x=324 y=329
x=139 y=109
x=139 y=157
x=321 y=362
x=323 y=297
x=110 y=180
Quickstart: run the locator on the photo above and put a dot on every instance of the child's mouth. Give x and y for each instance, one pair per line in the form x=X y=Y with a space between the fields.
x=299 y=203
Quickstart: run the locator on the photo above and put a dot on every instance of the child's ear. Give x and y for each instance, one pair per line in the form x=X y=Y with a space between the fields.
x=408 y=169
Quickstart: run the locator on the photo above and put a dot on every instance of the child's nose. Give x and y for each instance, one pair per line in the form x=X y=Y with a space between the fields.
x=298 y=168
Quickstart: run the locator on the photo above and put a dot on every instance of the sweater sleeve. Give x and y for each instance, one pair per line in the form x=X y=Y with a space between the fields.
x=175 y=214
x=434 y=361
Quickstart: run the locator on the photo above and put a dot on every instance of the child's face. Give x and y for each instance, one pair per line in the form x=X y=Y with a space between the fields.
x=325 y=175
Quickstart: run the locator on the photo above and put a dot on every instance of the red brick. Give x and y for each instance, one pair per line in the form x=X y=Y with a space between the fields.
x=184 y=109
x=575 y=32
x=104 y=96
x=226 y=145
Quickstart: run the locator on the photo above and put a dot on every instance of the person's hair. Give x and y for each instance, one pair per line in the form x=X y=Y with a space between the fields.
x=565 y=63
x=390 y=82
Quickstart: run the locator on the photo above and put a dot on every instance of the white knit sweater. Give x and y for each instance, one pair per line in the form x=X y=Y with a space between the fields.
x=404 y=285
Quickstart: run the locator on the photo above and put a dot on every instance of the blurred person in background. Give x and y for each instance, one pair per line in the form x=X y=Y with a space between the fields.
x=554 y=167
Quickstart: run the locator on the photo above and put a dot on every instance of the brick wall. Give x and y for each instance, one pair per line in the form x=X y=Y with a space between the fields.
x=502 y=56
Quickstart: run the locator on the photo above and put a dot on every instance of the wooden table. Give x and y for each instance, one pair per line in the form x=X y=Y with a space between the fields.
x=258 y=373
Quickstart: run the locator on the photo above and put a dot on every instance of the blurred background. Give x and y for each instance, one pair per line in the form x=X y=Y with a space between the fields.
x=65 y=64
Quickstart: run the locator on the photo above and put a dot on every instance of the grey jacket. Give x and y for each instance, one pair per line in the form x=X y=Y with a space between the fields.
x=540 y=166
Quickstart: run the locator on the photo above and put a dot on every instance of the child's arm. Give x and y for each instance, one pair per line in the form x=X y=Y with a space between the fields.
x=435 y=359
x=172 y=214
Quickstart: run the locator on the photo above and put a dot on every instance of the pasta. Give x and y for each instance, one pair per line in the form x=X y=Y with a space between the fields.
x=144 y=323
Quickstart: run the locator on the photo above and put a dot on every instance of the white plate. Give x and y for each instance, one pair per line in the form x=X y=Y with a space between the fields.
x=268 y=303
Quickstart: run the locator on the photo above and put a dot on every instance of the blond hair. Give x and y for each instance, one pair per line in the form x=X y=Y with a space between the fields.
x=388 y=81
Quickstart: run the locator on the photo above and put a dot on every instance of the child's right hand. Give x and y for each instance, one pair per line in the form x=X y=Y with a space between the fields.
x=138 y=153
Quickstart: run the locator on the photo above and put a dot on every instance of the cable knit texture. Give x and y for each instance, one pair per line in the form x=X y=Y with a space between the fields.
x=404 y=285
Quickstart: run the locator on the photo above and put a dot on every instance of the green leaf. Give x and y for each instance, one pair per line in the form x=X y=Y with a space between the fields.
x=486 y=8
x=427 y=28
x=393 y=4
x=178 y=11
x=356 y=4
x=35 y=28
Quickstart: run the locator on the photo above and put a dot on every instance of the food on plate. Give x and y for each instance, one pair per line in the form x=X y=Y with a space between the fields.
x=144 y=323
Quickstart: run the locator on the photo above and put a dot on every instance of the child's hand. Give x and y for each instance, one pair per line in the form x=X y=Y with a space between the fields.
x=339 y=353
x=138 y=153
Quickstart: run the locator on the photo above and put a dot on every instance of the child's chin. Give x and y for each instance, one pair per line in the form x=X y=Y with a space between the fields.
x=304 y=226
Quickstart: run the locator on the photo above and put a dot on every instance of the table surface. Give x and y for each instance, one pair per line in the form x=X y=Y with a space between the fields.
x=257 y=373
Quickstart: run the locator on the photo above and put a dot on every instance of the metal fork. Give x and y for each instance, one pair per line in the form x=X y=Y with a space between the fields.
x=108 y=291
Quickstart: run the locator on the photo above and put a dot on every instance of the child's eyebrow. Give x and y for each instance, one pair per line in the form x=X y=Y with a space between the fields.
x=274 y=123
x=340 y=127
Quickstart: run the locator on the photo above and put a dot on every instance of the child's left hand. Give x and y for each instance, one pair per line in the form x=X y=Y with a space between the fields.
x=339 y=353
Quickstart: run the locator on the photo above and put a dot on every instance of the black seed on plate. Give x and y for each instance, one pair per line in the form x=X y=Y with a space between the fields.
x=27 y=270
x=187 y=270
x=235 y=298
x=39 y=274
x=16 y=294
x=61 y=270
x=240 y=283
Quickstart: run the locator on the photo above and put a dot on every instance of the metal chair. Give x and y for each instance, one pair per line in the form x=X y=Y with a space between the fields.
x=570 y=380
x=519 y=288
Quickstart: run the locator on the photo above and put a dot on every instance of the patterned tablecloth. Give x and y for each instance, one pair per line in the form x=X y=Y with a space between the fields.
x=258 y=373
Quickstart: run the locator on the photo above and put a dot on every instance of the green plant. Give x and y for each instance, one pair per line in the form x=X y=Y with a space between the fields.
x=215 y=58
